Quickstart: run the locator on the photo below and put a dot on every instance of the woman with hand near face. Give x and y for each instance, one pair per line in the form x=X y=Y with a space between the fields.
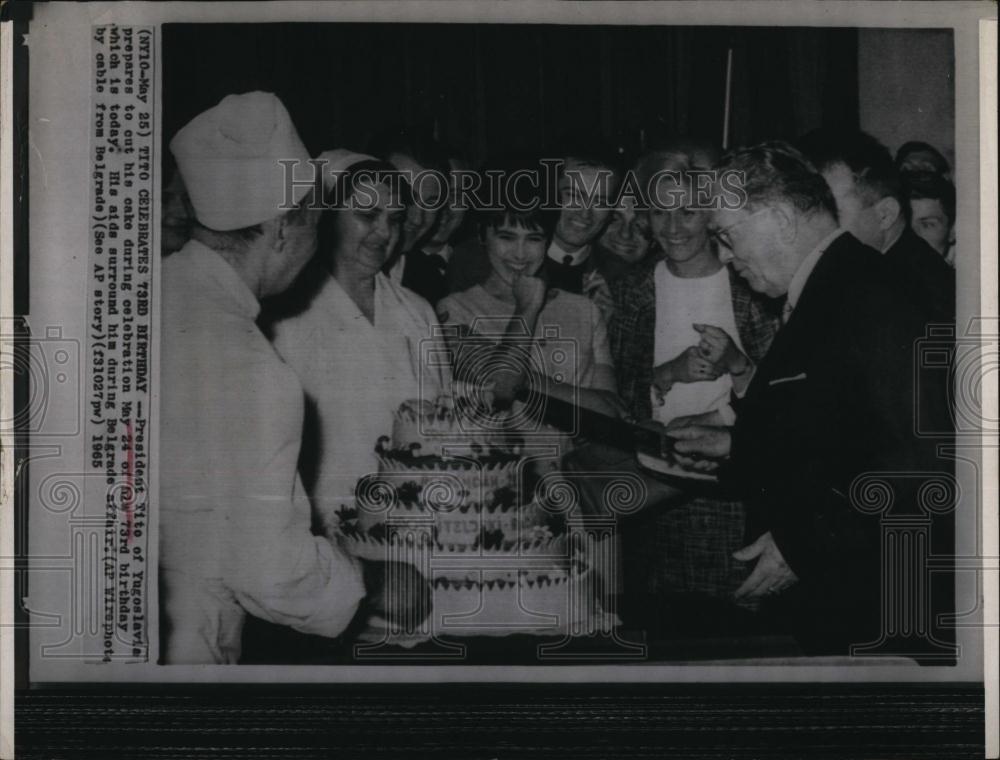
x=538 y=337
x=358 y=344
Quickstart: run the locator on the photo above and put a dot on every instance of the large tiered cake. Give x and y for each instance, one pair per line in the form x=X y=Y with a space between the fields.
x=452 y=496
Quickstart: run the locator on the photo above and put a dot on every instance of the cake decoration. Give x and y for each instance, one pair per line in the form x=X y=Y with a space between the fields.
x=450 y=497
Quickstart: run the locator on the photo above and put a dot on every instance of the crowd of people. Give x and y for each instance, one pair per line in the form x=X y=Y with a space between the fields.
x=769 y=344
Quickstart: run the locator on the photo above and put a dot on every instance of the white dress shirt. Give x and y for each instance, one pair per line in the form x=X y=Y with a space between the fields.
x=681 y=302
x=357 y=374
x=556 y=253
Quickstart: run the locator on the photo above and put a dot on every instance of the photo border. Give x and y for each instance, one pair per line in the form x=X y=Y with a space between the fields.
x=902 y=720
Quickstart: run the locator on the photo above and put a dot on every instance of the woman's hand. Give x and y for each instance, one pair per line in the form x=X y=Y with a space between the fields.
x=718 y=347
x=689 y=366
x=505 y=385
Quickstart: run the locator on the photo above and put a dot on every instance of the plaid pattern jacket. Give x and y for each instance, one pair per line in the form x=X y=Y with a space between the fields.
x=633 y=325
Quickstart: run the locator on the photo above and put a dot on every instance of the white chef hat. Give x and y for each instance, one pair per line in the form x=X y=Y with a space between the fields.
x=228 y=158
x=339 y=160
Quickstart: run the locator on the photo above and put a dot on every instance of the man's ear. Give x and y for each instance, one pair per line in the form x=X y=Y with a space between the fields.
x=888 y=211
x=277 y=231
x=786 y=220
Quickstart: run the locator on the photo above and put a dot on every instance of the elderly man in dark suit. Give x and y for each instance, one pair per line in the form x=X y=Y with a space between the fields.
x=667 y=315
x=831 y=403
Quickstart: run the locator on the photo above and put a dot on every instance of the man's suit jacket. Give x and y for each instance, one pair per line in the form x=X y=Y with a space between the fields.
x=923 y=274
x=426 y=275
x=568 y=277
x=831 y=401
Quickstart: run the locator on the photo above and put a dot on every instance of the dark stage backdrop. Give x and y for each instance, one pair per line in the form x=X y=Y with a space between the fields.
x=501 y=89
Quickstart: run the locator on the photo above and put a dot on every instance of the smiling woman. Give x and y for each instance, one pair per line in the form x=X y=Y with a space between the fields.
x=685 y=336
x=548 y=338
x=357 y=345
x=359 y=237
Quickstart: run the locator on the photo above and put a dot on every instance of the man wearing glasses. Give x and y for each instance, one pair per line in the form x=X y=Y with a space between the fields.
x=830 y=403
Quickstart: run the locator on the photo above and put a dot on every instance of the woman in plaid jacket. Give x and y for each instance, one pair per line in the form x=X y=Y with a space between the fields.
x=685 y=333
x=633 y=325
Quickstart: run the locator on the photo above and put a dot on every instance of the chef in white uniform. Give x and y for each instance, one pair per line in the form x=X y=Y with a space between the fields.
x=235 y=522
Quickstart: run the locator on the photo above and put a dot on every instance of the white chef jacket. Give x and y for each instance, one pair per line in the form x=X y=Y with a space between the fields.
x=235 y=522
x=357 y=374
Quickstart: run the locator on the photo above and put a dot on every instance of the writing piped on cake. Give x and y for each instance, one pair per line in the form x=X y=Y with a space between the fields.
x=427 y=416
x=447 y=408
x=417 y=408
x=423 y=428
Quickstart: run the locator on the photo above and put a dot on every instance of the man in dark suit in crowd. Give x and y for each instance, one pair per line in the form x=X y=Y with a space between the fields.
x=428 y=271
x=425 y=167
x=585 y=190
x=427 y=268
x=872 y=206
x=831 y=403
x=932 y=211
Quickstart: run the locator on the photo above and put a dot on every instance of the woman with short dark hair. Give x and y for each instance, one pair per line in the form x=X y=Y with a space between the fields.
x=537 y=336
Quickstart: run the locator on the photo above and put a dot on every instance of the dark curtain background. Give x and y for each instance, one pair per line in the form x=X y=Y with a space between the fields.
x=494 y=89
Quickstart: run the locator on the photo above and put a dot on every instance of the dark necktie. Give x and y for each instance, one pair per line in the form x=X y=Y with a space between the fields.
x=437 y=260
